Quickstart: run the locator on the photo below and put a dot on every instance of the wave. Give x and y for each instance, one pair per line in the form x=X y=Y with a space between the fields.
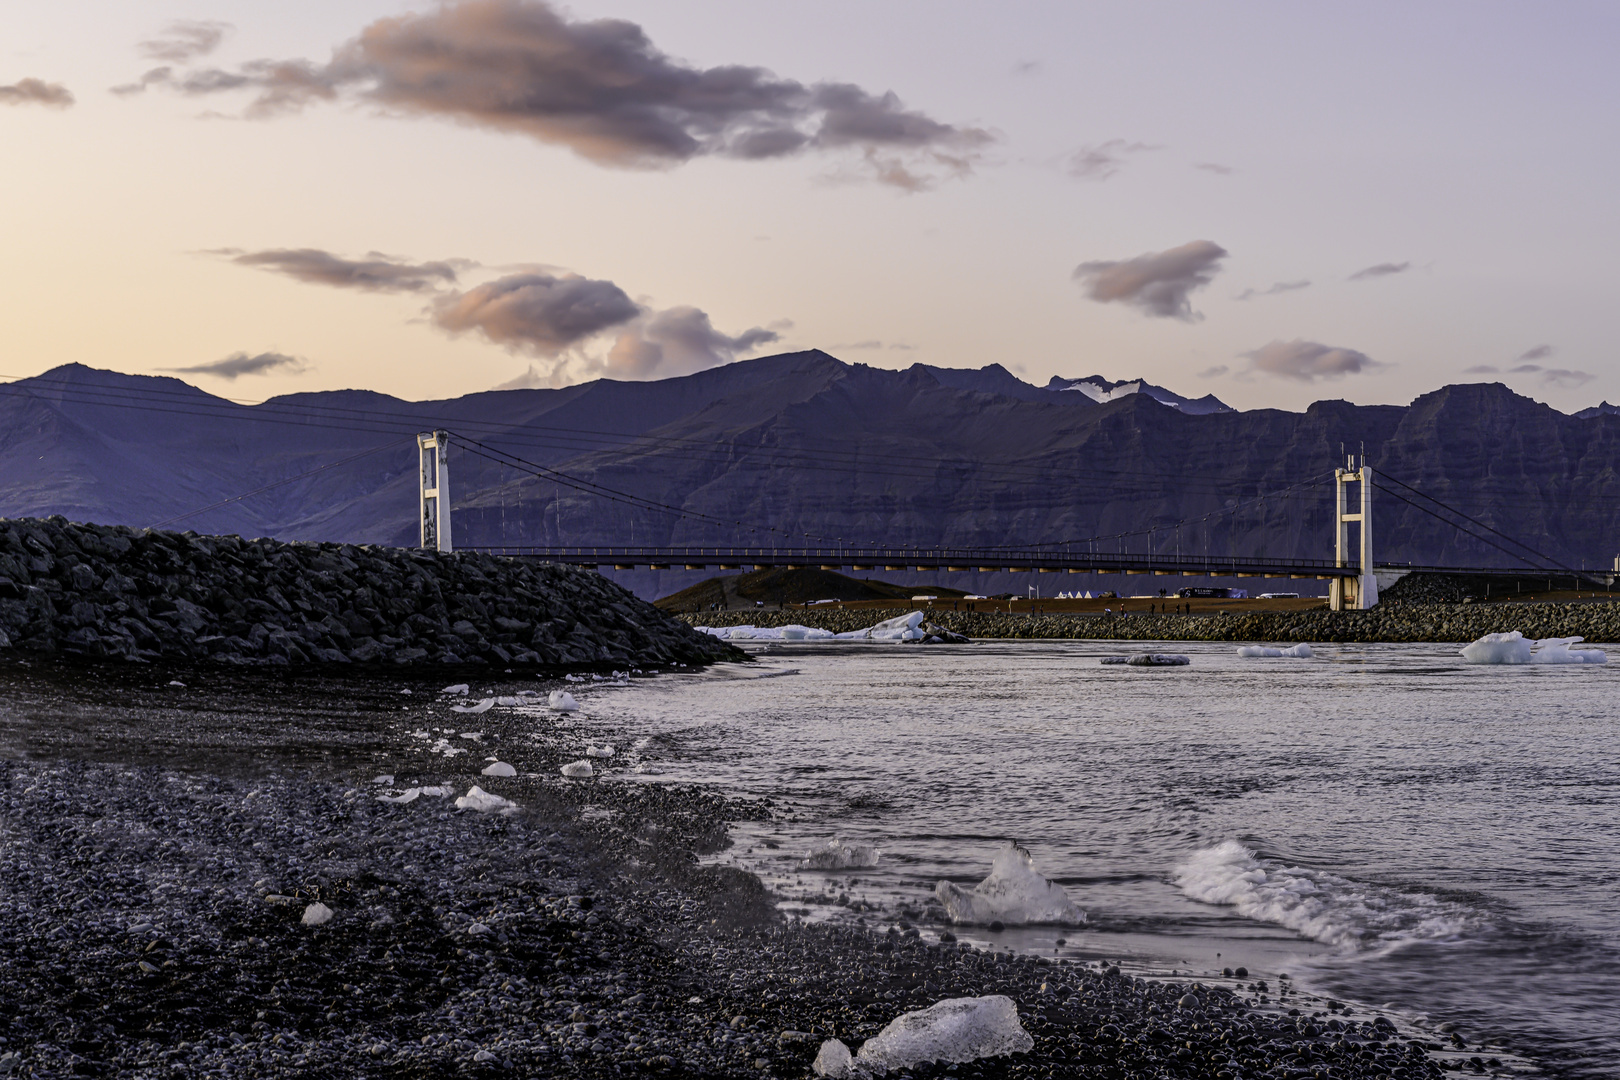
x=1346 y=914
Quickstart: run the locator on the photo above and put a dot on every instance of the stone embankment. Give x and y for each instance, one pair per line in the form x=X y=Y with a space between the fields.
x=102 y=591
x=1406 y=622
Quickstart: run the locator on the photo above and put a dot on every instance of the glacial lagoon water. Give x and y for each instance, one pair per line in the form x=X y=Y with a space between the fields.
x=1384 y=823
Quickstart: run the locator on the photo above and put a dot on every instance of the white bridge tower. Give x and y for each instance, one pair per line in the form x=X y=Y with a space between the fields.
x=433 y=450
x=1358 y=592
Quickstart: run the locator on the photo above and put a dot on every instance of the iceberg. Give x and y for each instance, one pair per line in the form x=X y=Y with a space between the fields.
x=562 y=701
x=1514 y=648
x=499 y=768
x=900 y=628
x=578 y=769
x=840 y=854
x=482 y=706
x=1014 y=894
x=482 y=801
x=903 y=628
x=1301 y=651
x=953 y=1030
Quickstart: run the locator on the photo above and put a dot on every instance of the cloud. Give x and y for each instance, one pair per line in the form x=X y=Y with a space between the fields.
x=540 y=313
x=1524 y=369
x=1540 y=352
x=1308 y=361
x=1159 y=282
x=36 y=92
x=1565 y=377
x=602 y=89
x=1381 y=270
x=185 y=40
x=1280 y=287
x=375 y=273
x=1482 y=369
x=1214 y=372
x=678 y=341
x=243 y=364
x=1214 y=167
x=1102 y=160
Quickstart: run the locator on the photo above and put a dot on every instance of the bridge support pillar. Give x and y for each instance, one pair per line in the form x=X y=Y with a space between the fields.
x=1361 y=591
x=433 y=453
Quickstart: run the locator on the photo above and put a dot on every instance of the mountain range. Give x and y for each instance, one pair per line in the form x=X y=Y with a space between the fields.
x=803 y=447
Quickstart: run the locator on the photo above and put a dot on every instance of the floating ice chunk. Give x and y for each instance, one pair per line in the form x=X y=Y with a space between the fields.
x=1509 y=648
x=499 y=768
x=316 y=914
x=599 y=751
x=1301 y=651
x=482 y=801
x=1013 y=894
x=459 y=688
x=408 y=795
x=1158 y=660
x=833 y=1059
x=1558 y=651
x=953 y=1030
x=840 y=854
x=385 y=779
x=901 y=628
x=562 y=701
x=483 y=705
x=578 y=769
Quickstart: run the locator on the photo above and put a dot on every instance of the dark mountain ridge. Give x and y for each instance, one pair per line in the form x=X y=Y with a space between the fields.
x=803 y=447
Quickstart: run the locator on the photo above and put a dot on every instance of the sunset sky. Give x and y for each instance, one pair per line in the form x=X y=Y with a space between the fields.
x=1275 y=203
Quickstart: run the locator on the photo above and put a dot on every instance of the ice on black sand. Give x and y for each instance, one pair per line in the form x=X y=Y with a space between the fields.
x=482 y=706
x=459 y=688
x=954 y=1030
x=577 y=769
x=316 y=914
x=1014 y=894
x=603 y=751
x=562 y=701
x=485 y=803
x=499 y=768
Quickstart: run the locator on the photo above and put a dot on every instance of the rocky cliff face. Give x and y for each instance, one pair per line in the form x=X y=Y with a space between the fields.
x=113 y=592
x=801 y=447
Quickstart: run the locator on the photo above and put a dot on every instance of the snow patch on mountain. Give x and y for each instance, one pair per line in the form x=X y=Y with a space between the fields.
x=1103 y=390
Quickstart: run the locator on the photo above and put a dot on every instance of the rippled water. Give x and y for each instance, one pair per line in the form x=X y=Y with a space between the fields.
x=1384 y=823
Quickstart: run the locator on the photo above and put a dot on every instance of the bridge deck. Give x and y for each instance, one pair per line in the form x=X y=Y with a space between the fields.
x=958 y=560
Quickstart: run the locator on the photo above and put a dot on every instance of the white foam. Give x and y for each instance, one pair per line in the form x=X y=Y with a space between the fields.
x=578 y=769
x=1324 y=907
x=562 y=701
x=953 y=1030
x=499 y=768
x=482 y=706
x=1014 y=894
x=482 y=801
x=840 y=854
x=1301 y=651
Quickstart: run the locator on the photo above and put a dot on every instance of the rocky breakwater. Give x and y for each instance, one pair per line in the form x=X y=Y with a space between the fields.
x=1396 y=623
x=103 y=591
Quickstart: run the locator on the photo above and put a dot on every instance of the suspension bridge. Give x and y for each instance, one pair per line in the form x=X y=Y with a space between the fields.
x=1354 y=578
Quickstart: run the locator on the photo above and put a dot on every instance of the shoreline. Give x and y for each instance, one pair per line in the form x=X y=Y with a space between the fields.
x=1441 y=623
x=151 y=915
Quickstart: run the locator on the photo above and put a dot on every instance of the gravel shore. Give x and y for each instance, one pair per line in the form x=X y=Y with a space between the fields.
x=153 y=912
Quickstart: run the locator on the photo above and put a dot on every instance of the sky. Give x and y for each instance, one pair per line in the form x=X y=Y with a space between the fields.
x=1272 y=202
